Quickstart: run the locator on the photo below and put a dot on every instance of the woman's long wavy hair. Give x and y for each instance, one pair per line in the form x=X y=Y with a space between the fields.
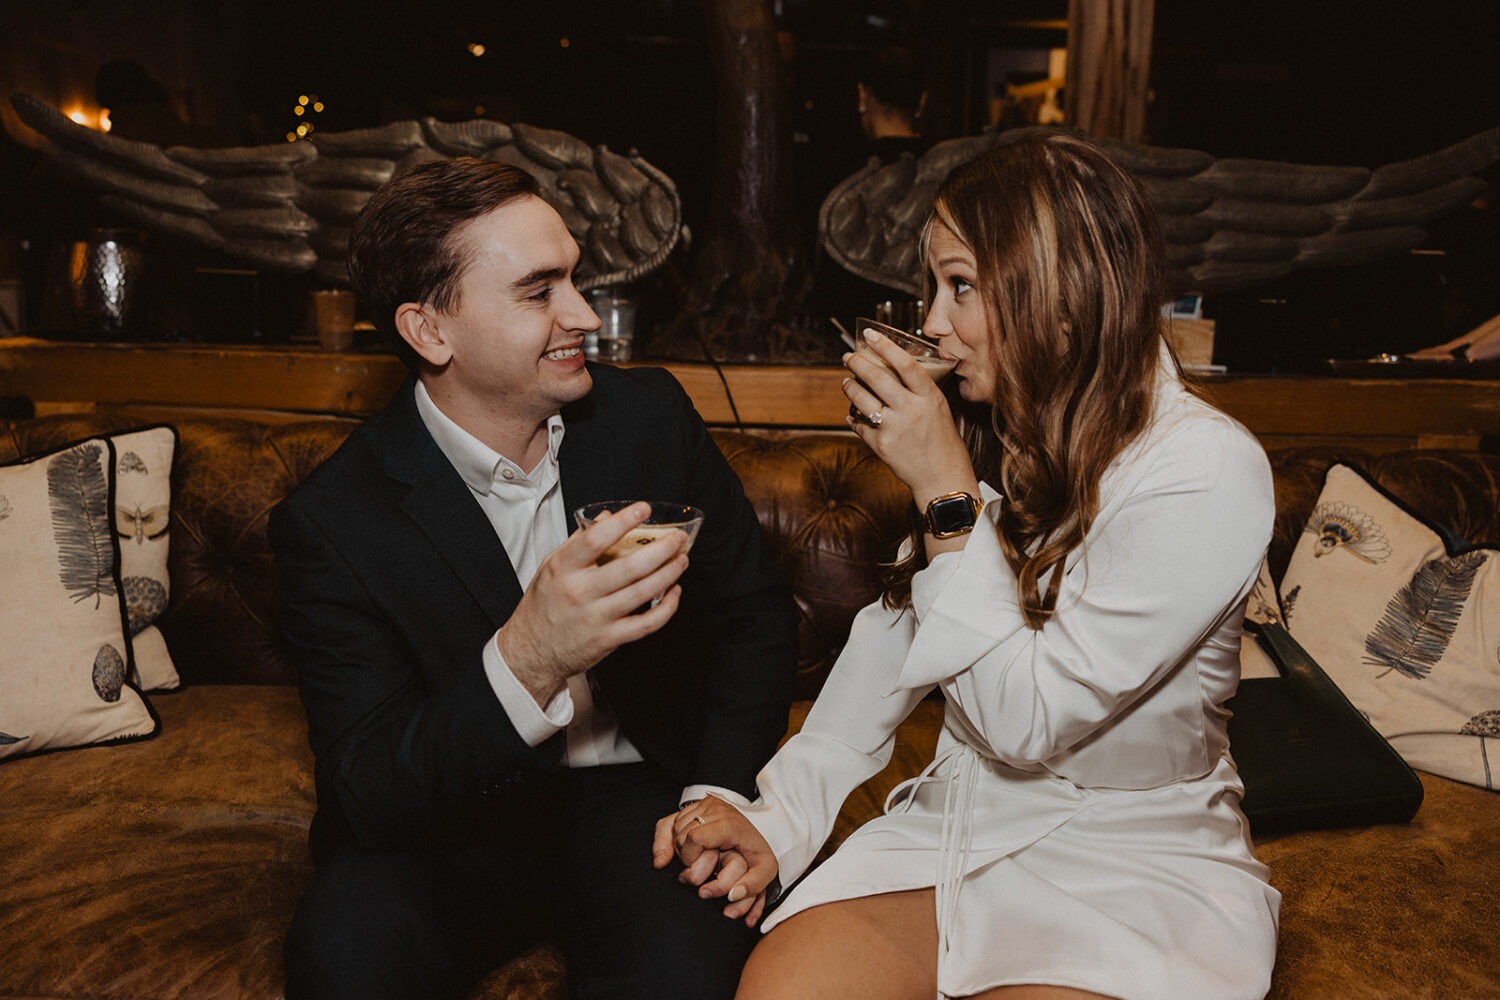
x=1070 y=270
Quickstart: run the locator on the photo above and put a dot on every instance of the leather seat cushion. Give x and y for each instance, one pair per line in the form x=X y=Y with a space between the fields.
x=185 y=881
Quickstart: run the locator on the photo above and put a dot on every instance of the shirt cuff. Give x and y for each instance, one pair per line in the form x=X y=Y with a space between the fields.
x=692 y=793
x=533 y=723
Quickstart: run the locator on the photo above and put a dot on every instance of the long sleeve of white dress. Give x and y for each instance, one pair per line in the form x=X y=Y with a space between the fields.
x=1112 y=690
x=847 y=738
x=1121 y=689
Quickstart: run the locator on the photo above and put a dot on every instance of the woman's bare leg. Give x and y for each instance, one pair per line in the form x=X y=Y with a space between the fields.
x=875 y=948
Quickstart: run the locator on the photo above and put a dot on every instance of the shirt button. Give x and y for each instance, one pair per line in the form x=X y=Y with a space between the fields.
x=507 y=474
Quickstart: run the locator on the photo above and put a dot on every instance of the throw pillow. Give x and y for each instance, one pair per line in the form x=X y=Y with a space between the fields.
x=142 y=515
x=65 y=659
x=1263 y=606
x=1407 y=628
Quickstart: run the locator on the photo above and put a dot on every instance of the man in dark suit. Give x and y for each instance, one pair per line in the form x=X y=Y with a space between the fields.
x=497 y=722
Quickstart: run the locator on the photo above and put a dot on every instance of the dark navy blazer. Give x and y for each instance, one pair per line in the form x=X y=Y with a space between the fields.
x=391 y=580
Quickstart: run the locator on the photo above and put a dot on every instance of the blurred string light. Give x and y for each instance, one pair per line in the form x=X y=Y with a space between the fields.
x=306 y=107
x=476 y=49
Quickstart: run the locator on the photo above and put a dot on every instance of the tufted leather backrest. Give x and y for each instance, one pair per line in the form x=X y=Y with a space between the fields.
x=830 y=510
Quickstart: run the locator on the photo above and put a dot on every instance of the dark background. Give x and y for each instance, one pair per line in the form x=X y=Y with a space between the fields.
x=1310 y=81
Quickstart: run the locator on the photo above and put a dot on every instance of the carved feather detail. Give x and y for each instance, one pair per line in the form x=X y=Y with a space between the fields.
x=1228 y=223
x=1413 y=634
x=288 y=206
x=78 y=495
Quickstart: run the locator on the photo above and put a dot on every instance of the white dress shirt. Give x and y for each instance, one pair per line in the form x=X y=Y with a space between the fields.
x=527 y=511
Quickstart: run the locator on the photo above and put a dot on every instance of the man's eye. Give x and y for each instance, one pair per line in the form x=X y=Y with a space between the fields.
x=541 y=295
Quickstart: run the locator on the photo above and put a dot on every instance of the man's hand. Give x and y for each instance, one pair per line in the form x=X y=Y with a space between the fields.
x=713 y=828
x=576 y=612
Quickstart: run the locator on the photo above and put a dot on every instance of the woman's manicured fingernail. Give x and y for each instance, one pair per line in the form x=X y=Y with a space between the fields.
x=736 y=894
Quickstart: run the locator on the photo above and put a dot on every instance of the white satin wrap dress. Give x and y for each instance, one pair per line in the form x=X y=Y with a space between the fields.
x=1081 y=820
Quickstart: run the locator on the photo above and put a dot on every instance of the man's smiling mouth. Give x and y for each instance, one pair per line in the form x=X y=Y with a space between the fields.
x=562 y=354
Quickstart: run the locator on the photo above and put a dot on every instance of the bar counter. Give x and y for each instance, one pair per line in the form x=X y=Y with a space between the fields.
x=296 y=382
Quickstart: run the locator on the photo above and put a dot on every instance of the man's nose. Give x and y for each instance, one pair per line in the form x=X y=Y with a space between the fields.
x=580 y=315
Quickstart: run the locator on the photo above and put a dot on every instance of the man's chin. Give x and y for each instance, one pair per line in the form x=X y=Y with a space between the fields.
x=574 y=385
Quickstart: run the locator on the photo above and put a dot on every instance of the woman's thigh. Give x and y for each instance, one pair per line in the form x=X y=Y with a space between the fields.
x=872 y=948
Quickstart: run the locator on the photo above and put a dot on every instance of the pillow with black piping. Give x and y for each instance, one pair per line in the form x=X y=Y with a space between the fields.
x=64 y=645
x=1405 y=622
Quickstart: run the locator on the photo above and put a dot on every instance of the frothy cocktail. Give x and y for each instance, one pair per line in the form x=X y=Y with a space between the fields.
x=664 y=517
x=924 y=351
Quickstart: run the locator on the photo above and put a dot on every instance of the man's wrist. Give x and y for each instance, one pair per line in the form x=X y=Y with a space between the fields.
x=535 y=721
x=541 y=684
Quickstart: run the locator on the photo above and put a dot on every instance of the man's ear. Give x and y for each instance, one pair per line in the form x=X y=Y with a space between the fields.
x=420 y=330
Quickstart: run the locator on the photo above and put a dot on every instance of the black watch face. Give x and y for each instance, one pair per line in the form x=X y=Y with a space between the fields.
x=950 y=515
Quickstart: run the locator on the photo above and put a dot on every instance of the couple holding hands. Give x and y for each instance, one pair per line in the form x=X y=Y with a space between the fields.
x=497 y=730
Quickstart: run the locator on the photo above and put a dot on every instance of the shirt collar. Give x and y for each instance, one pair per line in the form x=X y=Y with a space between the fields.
x=481 y=466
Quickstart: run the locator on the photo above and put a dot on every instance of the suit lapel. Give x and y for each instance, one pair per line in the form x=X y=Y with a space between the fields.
x=587 y=459
x=442 y=507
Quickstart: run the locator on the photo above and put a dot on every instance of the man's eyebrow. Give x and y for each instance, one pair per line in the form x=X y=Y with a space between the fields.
x=540 y=276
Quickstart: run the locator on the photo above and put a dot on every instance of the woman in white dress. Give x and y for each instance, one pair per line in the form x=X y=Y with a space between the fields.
x=1089 y=531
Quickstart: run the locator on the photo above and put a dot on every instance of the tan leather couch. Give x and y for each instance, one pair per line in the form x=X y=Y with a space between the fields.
x=170 y=868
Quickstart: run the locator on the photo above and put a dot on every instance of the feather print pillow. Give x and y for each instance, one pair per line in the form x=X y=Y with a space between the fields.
x=65 y=655
x=141 y=516
x=1407 y=628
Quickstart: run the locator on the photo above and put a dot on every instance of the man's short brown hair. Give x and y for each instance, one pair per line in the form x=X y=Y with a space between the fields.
x=402 y=247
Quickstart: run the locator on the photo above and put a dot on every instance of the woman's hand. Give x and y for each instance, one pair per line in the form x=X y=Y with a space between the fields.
x=907 y=422
x=710 y=834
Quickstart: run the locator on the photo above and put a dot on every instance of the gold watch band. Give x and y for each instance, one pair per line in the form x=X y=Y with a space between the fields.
x=951 y=514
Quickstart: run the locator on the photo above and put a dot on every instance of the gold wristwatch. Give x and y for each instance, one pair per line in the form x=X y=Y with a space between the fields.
x=951 y=514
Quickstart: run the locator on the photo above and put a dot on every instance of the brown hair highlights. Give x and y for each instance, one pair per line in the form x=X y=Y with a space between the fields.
x=402 y=248
x=1069 y=256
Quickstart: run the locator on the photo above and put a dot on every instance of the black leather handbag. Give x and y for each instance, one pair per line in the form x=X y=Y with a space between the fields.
x=1308 y=758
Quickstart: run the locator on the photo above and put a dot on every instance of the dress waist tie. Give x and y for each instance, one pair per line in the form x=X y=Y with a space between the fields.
x=958 y=815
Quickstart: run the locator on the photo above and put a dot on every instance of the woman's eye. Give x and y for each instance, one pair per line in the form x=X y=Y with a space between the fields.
x=960 y=286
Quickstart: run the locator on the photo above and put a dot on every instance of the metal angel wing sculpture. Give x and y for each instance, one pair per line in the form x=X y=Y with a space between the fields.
x=289 y=207
x=1228 y=223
